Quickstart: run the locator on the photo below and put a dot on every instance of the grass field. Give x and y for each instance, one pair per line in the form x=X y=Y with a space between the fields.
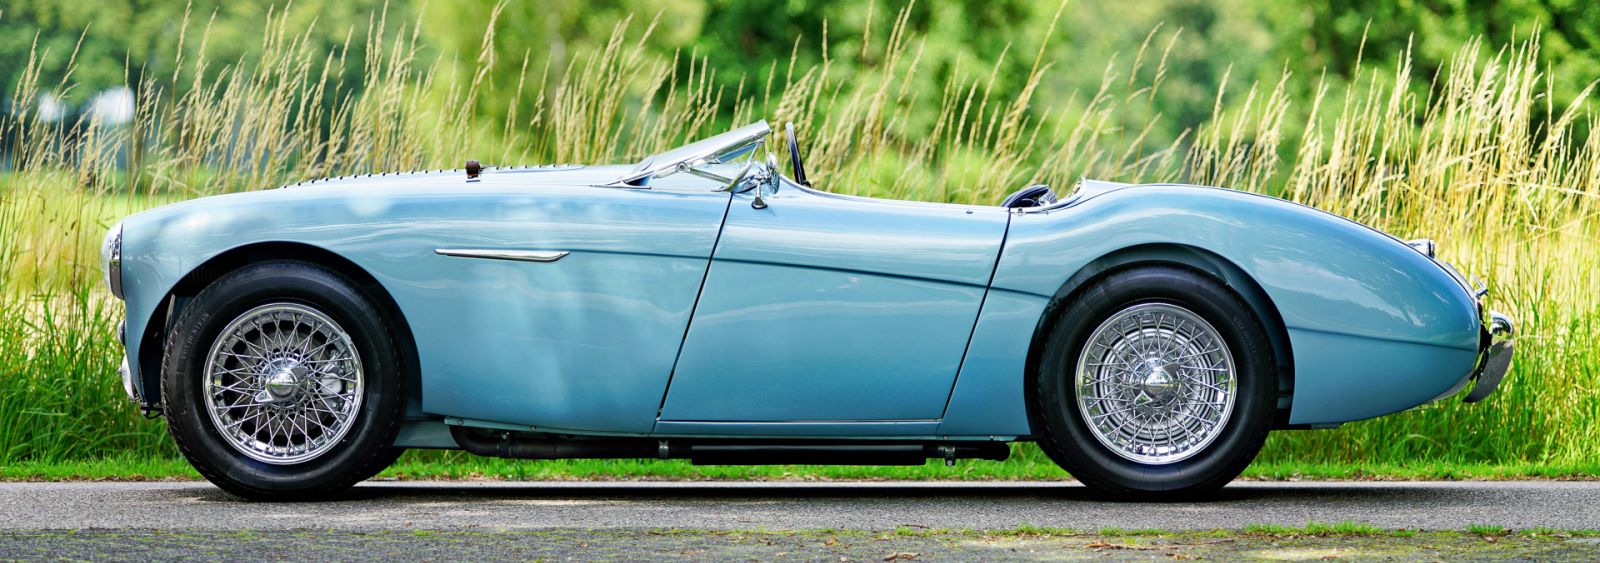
x=1474 y=157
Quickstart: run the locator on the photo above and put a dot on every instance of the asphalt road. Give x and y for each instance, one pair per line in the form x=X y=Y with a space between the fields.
x=492 y=506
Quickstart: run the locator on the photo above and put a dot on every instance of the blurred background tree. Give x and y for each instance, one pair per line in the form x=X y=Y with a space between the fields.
x=124 y=41
x=1328 y=34
x=1194 y=44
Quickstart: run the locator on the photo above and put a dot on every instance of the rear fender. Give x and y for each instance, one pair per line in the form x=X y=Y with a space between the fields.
x=1372 y=326
x=1194 y=258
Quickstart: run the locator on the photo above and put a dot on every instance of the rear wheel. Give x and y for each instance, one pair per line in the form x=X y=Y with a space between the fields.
x=282 y=382
x=1156 y=382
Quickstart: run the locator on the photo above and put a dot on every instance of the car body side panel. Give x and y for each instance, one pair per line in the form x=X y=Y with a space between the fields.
x=939 y=242
x=989 y=394
x=856 y=347
x=1351 y=376
x=826 y=308
x=585 y=343
x=1341 y=289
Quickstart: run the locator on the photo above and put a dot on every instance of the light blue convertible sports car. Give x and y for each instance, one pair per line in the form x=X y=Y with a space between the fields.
x=699 y=305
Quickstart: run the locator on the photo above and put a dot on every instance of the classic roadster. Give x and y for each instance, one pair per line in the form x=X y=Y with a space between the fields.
x=700 y=305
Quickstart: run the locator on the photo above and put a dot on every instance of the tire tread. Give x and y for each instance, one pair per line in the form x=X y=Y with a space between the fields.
x=374 y=462
x=1057 y=450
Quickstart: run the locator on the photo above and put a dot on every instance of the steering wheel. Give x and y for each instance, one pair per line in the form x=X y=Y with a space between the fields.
x=794 y=156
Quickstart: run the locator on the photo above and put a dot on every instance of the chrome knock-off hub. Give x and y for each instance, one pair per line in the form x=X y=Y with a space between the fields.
x=1155 y=383
x=283 y=383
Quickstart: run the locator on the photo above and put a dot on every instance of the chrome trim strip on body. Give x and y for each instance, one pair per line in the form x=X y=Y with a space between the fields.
x=504 y=254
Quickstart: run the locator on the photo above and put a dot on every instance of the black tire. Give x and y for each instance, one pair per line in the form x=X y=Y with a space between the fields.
x=363 y=451
x=1065 y=436
x=382 y=462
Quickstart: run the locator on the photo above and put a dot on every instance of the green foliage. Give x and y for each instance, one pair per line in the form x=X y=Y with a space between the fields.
x=57 y=397
x=1341 y=36
x=123 y=42
x=750 y=43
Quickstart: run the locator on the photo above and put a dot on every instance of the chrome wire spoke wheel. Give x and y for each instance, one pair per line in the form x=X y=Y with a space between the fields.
x=283 y=383
x=1155 y=383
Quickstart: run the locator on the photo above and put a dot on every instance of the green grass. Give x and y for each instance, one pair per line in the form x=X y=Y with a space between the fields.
x=1487 y=530
x=1419 y=470
x=119 y=468
x=1138 y=532
x=1344 y=528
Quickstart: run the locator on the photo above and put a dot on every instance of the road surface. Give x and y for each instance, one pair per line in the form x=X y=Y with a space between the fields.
x=785 y=505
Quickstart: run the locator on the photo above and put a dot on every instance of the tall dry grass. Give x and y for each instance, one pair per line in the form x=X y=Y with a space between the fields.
x=1474 y=157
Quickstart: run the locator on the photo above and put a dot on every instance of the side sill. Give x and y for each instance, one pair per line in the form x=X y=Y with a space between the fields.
x=825 y=430
x=899 y=429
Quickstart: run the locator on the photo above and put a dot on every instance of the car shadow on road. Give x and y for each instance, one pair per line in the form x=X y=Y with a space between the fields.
x=1297 y=493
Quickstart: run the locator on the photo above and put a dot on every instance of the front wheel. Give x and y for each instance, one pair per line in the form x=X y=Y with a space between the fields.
x=1155 y=383
x=282 y=382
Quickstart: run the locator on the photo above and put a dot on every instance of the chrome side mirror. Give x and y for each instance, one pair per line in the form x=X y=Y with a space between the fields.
x=758 y=202
x=763 y=176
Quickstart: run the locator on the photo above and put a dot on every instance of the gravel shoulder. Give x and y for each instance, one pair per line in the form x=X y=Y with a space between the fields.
x=828 y=545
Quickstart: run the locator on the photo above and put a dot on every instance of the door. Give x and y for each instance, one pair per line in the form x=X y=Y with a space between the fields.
x=582 y=336
x=830 y=309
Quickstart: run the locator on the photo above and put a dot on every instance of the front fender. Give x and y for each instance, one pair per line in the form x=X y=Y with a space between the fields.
x=163 y=246
x=582 y=344
x=1374 y=326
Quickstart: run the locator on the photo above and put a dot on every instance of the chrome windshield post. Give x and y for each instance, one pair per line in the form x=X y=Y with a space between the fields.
x=730 y=183
x=690 y=158
x=709 y=175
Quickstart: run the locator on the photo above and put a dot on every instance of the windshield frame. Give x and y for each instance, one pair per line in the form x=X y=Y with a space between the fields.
x=712 y=150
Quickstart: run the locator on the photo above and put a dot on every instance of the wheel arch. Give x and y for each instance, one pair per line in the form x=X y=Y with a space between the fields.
x=1185 y=256
x=153 y=341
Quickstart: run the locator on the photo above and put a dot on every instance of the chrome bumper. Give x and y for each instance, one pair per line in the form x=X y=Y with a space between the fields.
x=127 y=374
x=1495 y=360
x=127 y=380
